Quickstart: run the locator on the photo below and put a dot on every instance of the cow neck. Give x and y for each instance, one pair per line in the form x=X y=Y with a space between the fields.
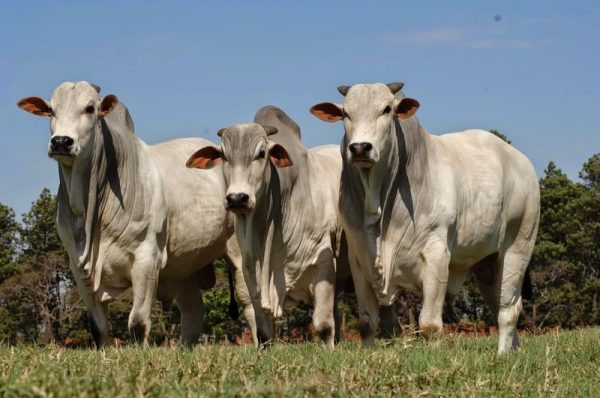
x=412 y=161
x=105 y=189
x=259 y=234
x=402 y=194
x=401 y=171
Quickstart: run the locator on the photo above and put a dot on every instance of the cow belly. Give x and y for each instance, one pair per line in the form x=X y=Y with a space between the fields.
x=476 y=241
x=297 y=296
x=186 y=264
x=195 y=241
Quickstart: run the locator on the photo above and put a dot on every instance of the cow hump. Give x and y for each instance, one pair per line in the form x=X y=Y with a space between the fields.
x=273 y=116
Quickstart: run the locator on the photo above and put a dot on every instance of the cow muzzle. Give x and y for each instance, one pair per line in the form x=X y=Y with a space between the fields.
x=61 y=145
x=238 y=203
x=360 y=154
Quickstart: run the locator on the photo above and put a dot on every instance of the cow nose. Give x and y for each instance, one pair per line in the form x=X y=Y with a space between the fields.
x=237 y=200
x=61 y=141
x=360 y=148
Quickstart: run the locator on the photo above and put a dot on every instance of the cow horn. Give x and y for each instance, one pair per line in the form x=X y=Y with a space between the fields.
x=96 y=87
x=343 y=90
x=395 y=87
x=270 y=130
x=220 y=132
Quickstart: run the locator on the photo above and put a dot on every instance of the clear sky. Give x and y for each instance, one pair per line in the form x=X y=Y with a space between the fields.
x=527 y=68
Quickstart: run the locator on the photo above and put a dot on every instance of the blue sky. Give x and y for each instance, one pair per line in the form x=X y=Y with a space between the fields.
x=529 y=69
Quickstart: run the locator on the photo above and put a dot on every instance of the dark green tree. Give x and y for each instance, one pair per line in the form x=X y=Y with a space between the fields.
x=45 y=262
x=38 y=234
x=500 y=135
x=562 y=262
x=8 y=242
x=216 y=320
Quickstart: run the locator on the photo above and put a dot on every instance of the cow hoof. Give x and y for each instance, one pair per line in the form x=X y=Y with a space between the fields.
x=138 y=332
x=431 y=331
x=264 y=341
x=325 y=332
x=364 y=329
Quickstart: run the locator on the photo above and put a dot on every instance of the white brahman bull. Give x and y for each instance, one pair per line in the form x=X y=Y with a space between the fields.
x=284 y=198
x=423 y=212
x=129 y=214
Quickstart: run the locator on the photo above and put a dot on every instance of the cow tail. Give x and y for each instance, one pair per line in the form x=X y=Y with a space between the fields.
x=233 y=309
x=527 y=291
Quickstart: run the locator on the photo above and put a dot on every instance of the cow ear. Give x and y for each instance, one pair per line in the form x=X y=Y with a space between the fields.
x=205 y=158
x=328 y=112
x=407 y=107
x=36 y=105
x=108 y=104
x=270 y=130
x=279 y=156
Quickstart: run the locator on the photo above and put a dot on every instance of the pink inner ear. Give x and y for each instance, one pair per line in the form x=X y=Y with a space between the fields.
x=35 y=105
x=108 y=104
x=279 y=156
x=407 y=107
x=205 y=158
x=327 y=112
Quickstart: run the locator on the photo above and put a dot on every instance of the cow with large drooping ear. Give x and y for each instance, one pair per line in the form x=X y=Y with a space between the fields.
x=246 y=154
x=74 y=114
x=368 y=113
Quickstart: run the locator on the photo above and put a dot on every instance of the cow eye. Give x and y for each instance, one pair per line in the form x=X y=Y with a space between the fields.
x=223 y=158
x=387 y=109
x=261 y=155
x=89 y=109
x=345 y=114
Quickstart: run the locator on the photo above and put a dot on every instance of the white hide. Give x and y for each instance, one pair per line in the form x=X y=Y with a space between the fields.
x=131 y=214
x=428 y=210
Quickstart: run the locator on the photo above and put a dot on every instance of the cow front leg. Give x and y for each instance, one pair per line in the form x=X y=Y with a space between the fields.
x=99 y=324
x=434 y=274
x=97 y=312
x=368 y=306
x=144 y=282
x=323 y=315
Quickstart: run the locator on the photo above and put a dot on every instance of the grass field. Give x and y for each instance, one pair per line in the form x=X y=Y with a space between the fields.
x=563 y=364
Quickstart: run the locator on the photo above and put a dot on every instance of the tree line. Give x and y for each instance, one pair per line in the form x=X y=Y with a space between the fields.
x=40 y=304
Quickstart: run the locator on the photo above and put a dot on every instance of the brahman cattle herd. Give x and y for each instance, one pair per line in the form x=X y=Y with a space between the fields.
x=393 y=207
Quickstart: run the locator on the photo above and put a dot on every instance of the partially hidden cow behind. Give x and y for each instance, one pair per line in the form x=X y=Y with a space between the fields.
x=129 y=214
x=284 y=198
x=423 y=212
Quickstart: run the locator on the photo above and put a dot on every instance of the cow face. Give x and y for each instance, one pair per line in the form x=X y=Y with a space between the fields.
x=247 y=156
x=368 y=113
x=74 y=111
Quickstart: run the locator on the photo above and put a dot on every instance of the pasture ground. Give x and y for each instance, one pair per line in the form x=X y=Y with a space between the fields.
x=555 y=364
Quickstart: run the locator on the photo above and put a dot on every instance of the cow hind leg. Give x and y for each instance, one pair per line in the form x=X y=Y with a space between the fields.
x=144 y=282
x=337 y=319
x=388 y=321
x=323 y=318
x=435 y=275
x=191 y=306
x=514 y=267
x=500 y=284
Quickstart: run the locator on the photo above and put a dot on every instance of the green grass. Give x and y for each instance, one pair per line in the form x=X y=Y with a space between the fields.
x=564 y=364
